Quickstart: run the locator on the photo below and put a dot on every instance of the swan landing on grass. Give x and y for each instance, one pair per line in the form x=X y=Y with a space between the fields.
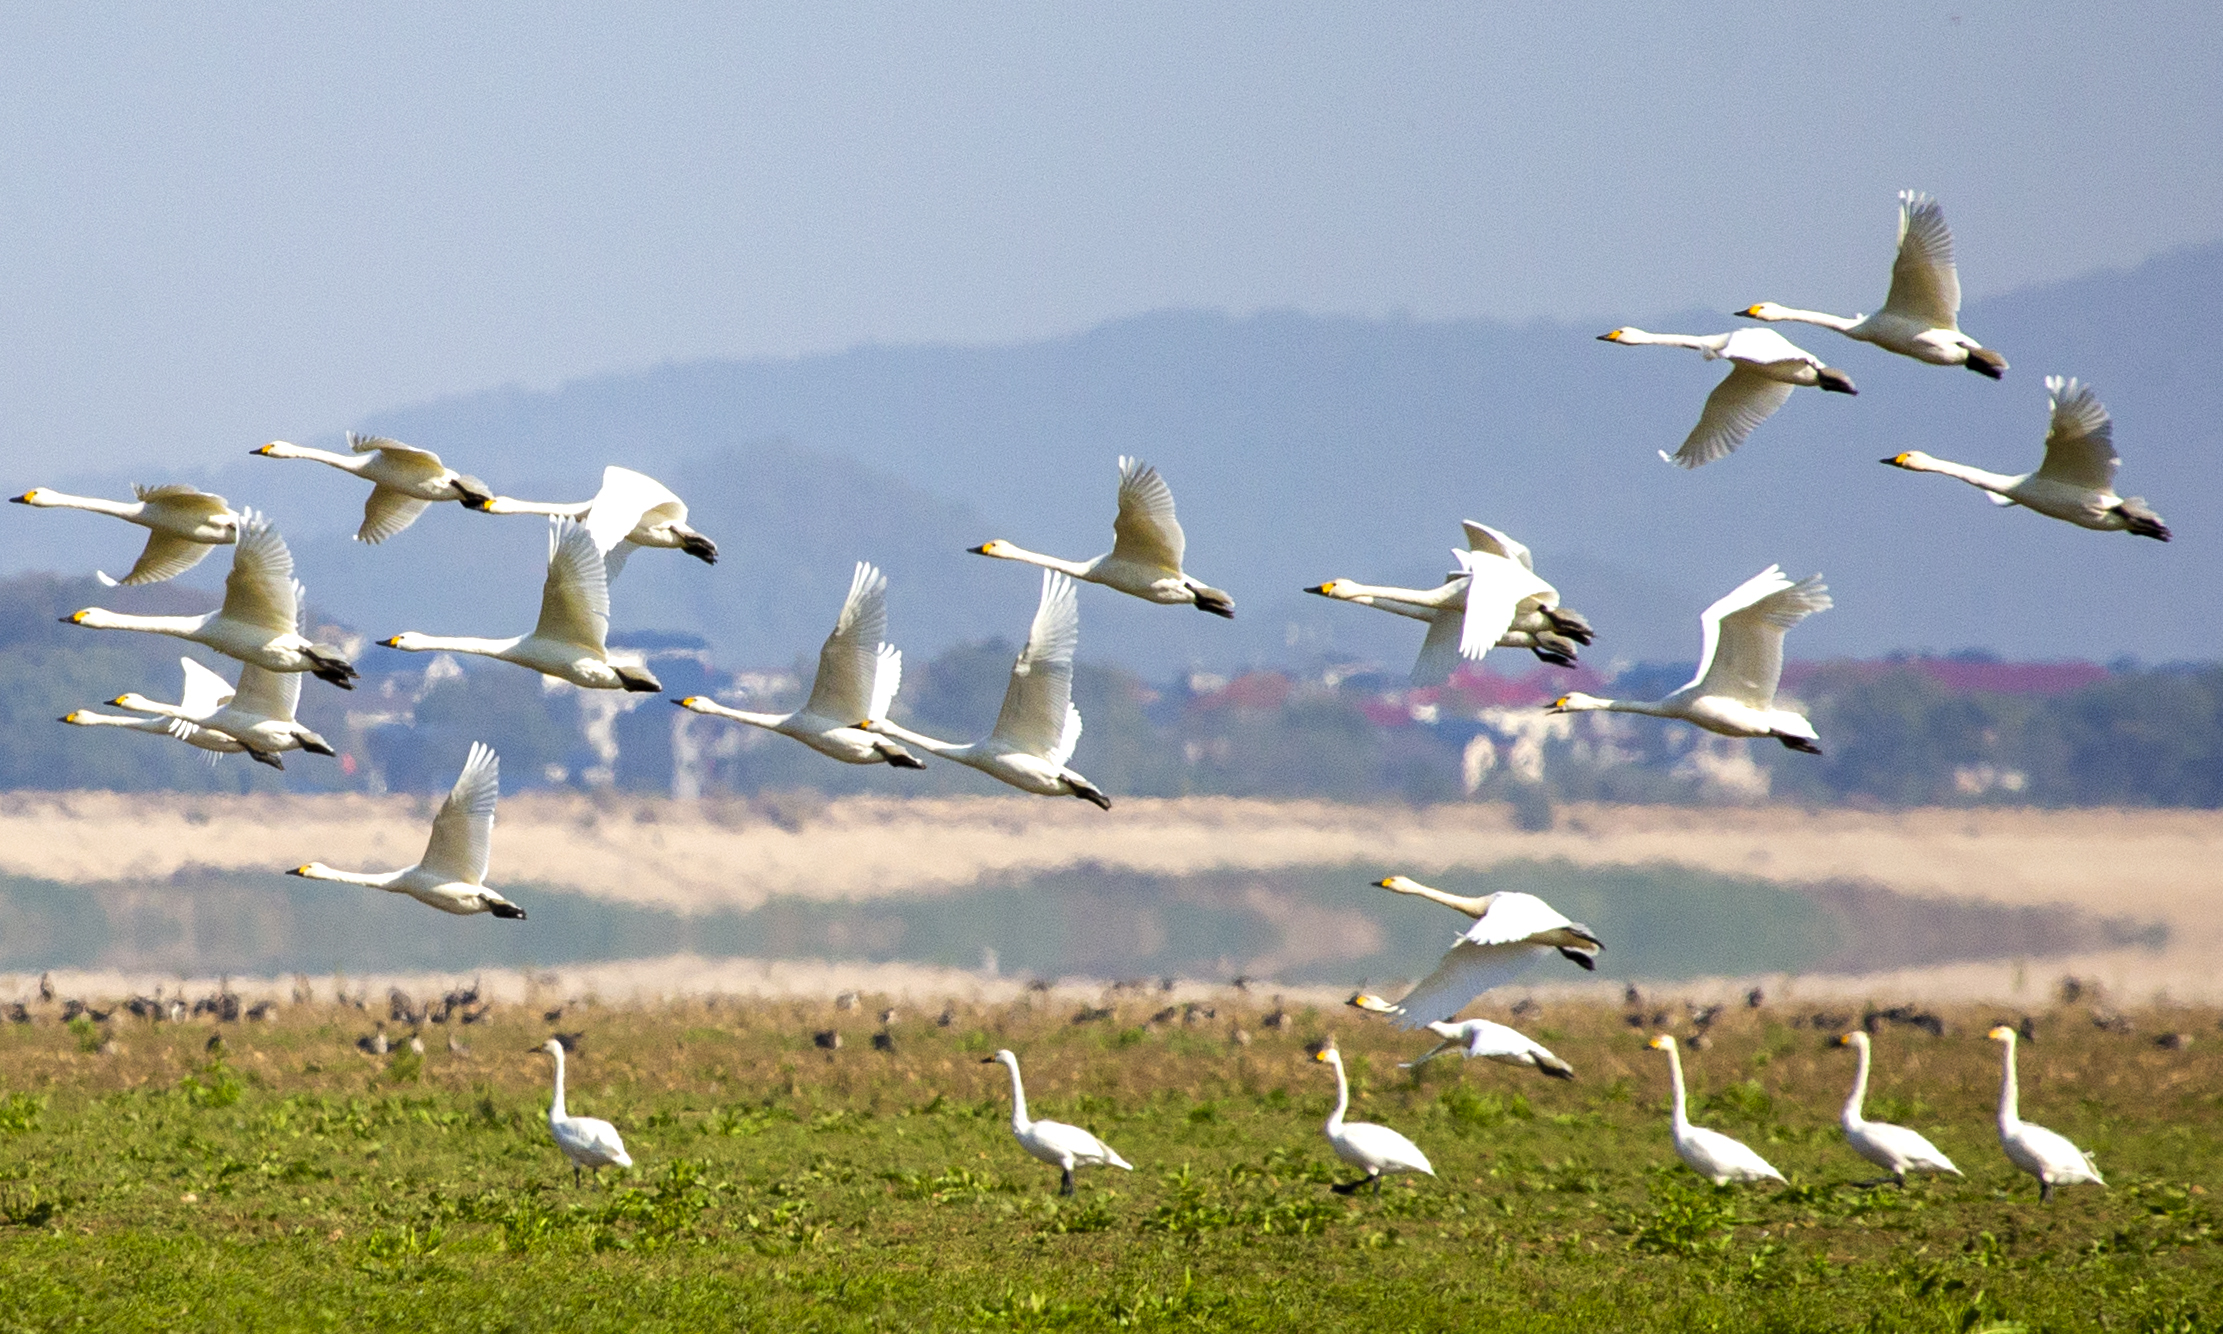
x=1511 y=931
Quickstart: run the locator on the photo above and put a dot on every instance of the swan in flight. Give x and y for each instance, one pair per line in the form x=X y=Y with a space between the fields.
x=215 y=743
x=186 y=521
x=569 y=642
x=1511 y=931
x=1921 y=316
x=1147 y=548
x=1764 y=367
x=1895 y=1149
x=1477 y=1038
x=1738 y=667
x=631 y=511
x=258 y=623
x=589 y=1143
x=1062 y=1146
x=1371 y=1148
x=258 y=713
x=1494 y=599
x=2076 y=483
x=1038 y=728
x=452 y=876
x=858 y=676
x=403 y=480
x=1709 y=1153
x=2040 y=1152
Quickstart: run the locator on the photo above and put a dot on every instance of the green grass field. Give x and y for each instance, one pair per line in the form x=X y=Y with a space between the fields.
x=289 y=1181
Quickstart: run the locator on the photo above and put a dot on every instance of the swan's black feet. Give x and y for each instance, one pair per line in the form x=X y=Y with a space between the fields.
x=1065 y=1186
x=1799 y=744
x=700 y=547
x=1347 y=1187
x=1834 y=381
x=508 y=910
x=2045 y=1192
x=265 y=757
x=1987 y=363
x=1089 y=792
x=1215 y=602
x=903 y=759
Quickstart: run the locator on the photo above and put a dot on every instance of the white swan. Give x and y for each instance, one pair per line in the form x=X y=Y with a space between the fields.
x=1921 y=316
x=858 y=676
x=1511 y=931
x=1374 y=1149
x=1764 y=368
x=257 y=623
x=570 y=640
x=2075 y=483
x=1895 y=1149
x=1062 y=1146
x=258 y=713
x=1738 y=668
x=1477 y=1038
x=632 y=510
x=452 y=875
x=1147 y=548
x=215 y=743
x=403 y=480
x=1709 y=1153
x=588 y=1142
x=186 y=521
x=2040 y=1152
x=1038 y=728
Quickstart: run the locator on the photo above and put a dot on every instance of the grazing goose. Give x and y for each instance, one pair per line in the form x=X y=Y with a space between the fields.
x=1895 y=1149
x=2040 y=1152
x=1709 y=1153
x=452 y=876
x=858 y=676
x=1739 y=666
x=186 y=521
x=1511 y=931
x=568 y=643
x=215 y=743
x=1764 y=368
x=631 y=511
x=589 y=1143
x=1062 y=1146
x=259 y=620
x=1038 y=728
x=1373 y=1149
x=403 y=480
x=1921 y=316
x=1147 y=548
x=2076 y=483
x=258 y=714
x=1477 y=1038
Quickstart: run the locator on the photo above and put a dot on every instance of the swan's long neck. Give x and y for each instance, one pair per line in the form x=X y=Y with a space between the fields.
x=555 y=1109
x=83 y=718
x=100 y=618
x=1079 y=569
x=141 y=704
x=1342 y=1094
x=1651 y=708
x=1859 y=1096
x=1711 y=346
x=1976 y=477
x=1019 y=1119
x=506 y=505
x=2010 y=1099
x=1471 y=907
x=344 y=462
x=948 y=750
x=712 y=708
x=488 y=648
x=1841 y=323
x=1432 y=598
x=1681 y=1115
x=122 y=509
x=369 y=880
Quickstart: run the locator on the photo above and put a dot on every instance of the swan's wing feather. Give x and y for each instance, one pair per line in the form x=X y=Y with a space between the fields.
x=386 y=512
x=270 y=694
x=1924 y=284
x=1039 y=699
x=462 y=842
x=409 y=456
x=625 y=498
x=1709 y=621
x=887 y=678
x=575 y=601
x=1748 y=658
x=1514 y=918
x=1068 y=740
x=260 y=590
x=182 y=498
x=1734 y=410
x=1439 y=652
x=1467 y=970
x=849 y=660
x=205 y=692
x=1146 y=533
x=1496 y=587
x=166 y=557
x=1482 y=537
x=2080 y=438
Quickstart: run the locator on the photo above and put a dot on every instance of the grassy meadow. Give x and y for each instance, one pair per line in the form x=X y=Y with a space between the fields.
x=270 y=1175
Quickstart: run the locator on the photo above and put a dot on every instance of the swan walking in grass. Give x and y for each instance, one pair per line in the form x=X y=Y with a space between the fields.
x=1037 y=730
x=588 y=1142
x=1147 y=549
x=1921 y=315
x=631 y=511
x=1733 y=693
x=858 y=676
x=1511 y=931
x=215 y=743
x=1764 y=367
x=2075 y=483
x=1062 y=1146
x=452 y=875
x=186 y=521
x=259 y=620
x=258 y=713
x=1709 y=1153
x=2043 y=1154
x=1476 y=1038
x=404 y=480
x=570 y=641
x=1895 y=1149
x=1375 y=1150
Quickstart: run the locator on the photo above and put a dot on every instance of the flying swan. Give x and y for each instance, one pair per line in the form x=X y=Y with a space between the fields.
x=452 y=876
x=1709 y=1153
x=1062 y=1146
x=1371 y=1148
x=589 y=1143
x=1477 y=1038
x=1147 y=548
x=1921 y=316
x=258 y=713
x=1511 y=931
x=1764 y=368
x=2040 y=1152
x=186 y=521
x=631 y=511
x=403 y=480
x=215 y=743
x=1738 y=666
x=1895 y=1149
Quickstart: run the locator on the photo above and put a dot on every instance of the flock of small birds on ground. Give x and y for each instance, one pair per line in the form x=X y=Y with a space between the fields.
x=1493 y=598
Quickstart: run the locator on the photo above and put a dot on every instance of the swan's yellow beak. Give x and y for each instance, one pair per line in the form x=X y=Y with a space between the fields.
x=1659 y=1043
x=1899 y=460
x=1326 y=590
x=2001 y=1034
x=395 y=642
x=1560 y=705
x=689 y=702
x=987 y=549
x=865 y=726
x=1841 y=1040
x=70 y=717
x=26 y=498
x=298 y=870
x=1613 y=337
x=1750 y=312
x=78 y=617
x=1384 y=882
x=118 y=702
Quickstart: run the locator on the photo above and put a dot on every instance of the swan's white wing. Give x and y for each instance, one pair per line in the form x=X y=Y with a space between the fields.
x=1767 y=347
x=260 y=590
x=850 y=657
x=1515 y=918
x=1709 y=621
x=386 y=512
x=2080 y=439
x=166 y=557
x=1468 y=970
x=1068 y=740
x=625 y=497
x=575 y=601
x=613 y=560
x=1748 y=652
x=270 y=694
x=1496 y=587
x=205 y=692
x=1146 y=532
x=887 y=678
x=1924 y=284
x=1734 y=410
x=1038 y=704
x=1439 y=652
x=1482 y=537
x=181 y=499
x=462 y=842
x=419 y=461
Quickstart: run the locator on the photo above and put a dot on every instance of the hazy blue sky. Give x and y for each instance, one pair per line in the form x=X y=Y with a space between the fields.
x=222 y=224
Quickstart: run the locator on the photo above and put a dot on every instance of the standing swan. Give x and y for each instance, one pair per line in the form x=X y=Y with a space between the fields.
x=1734 y=691
x=403 y=480
x=631 y=511
x=1709 y=1153
x=1895 y=1149
x=587 y=1142
x=258 y=713
x=186 y=520
x=1372 y=1148
x=1921 y=316
x=452 y=875
x=1511 y=931
x=1764 y=367
x=2040 y=1152
x=1147 y=548
x=1477 y=1038
x=1062 y=1146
